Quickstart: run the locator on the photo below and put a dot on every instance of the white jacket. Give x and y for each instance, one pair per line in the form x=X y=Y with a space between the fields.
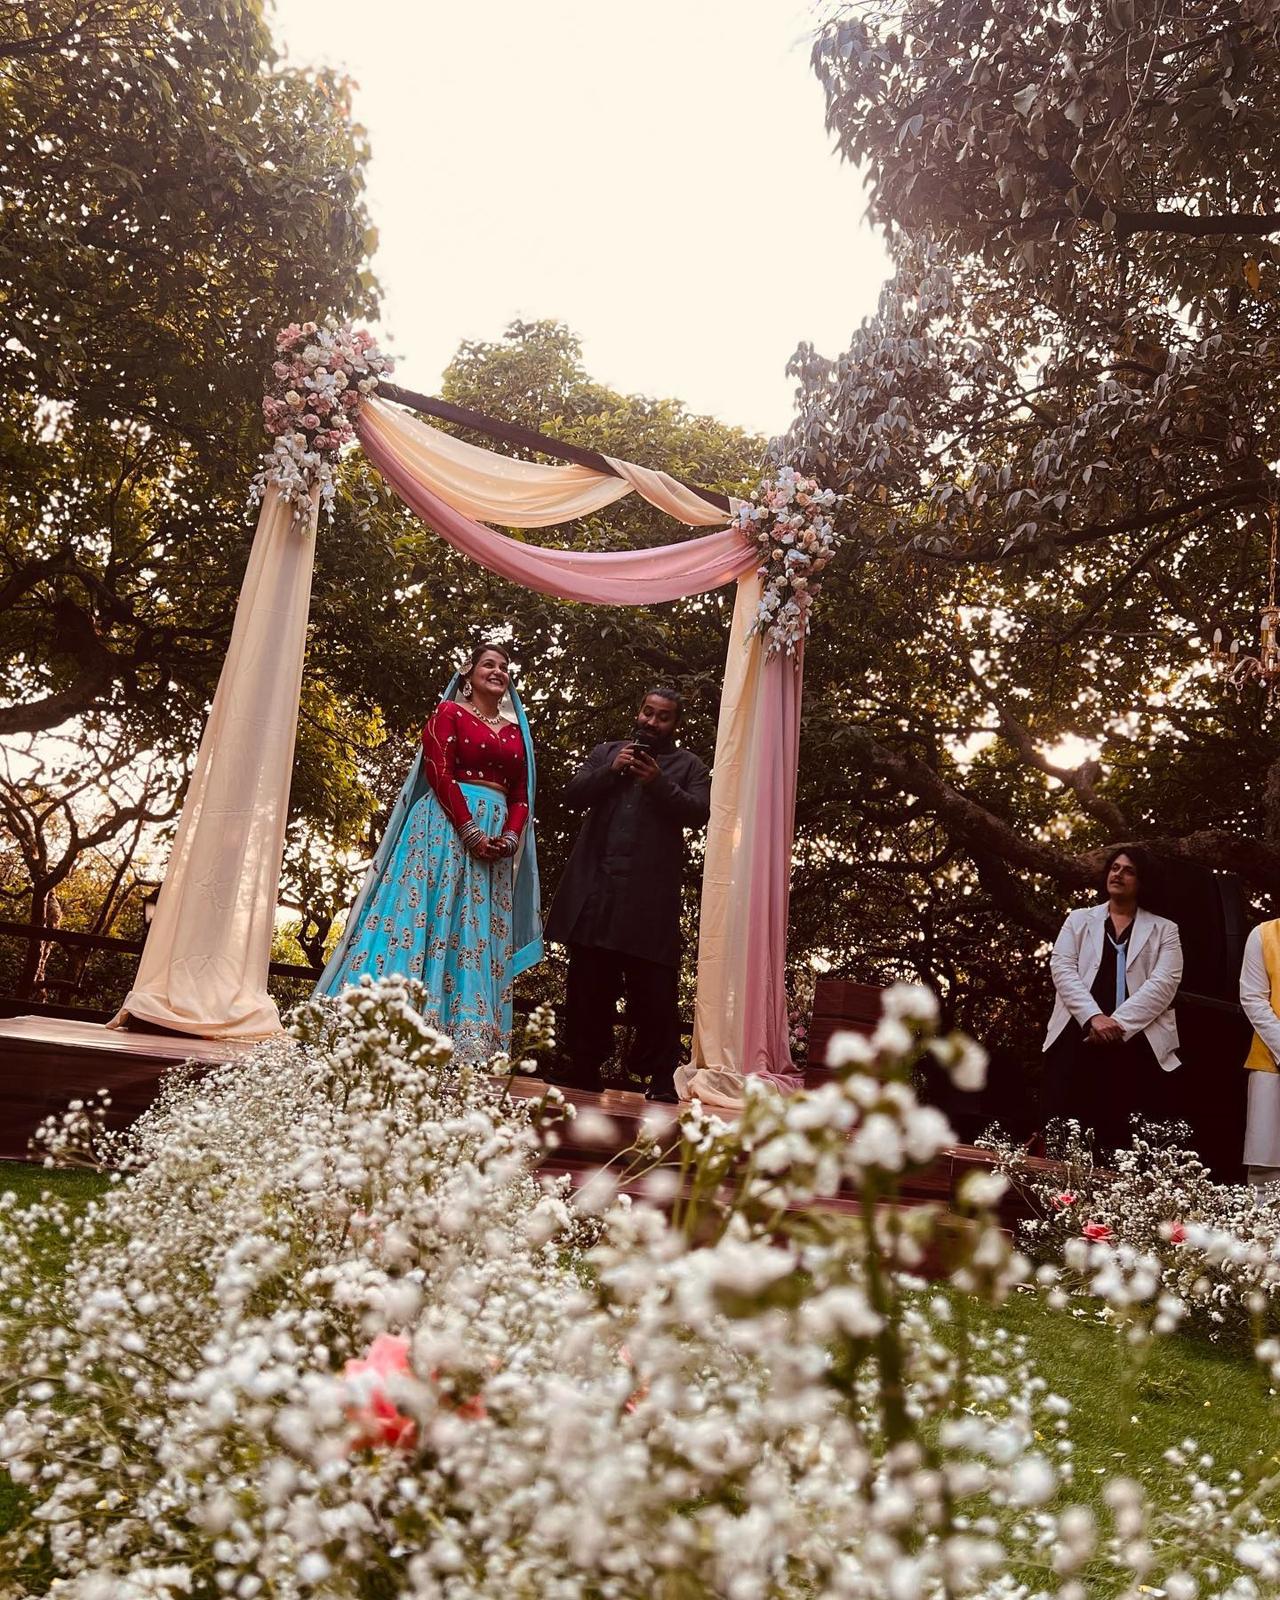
x=1153 y=970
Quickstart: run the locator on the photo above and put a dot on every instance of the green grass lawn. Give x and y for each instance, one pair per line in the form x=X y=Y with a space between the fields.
x=29 y=1183
x=1128 y=1406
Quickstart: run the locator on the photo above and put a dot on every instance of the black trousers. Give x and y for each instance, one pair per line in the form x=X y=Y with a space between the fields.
x=1103 y=1085
x=598 y=979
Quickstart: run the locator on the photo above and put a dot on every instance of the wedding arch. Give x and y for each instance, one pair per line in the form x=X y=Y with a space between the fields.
x=204 y=967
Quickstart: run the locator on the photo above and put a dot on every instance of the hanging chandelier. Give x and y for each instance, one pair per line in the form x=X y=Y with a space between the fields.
x=1262 y=669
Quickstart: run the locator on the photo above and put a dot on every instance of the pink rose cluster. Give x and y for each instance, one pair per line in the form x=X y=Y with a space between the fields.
x=322 y=374
x=788 y=518
x=377 y=1421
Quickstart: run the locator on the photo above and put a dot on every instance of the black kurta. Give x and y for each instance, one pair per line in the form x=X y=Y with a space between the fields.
x=621 y=888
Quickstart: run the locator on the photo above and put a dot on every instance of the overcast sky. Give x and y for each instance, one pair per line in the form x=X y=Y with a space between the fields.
x=655 y=173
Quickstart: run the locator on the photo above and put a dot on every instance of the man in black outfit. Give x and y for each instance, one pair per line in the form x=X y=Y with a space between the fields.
x=618 y=905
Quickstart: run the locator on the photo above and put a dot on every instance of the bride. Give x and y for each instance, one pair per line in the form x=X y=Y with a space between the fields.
x=452 y=896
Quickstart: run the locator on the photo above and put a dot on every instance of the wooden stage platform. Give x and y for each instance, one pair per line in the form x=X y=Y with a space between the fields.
x=46 y=1062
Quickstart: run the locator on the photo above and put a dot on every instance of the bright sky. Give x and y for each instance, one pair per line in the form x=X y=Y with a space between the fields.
x=655 y=173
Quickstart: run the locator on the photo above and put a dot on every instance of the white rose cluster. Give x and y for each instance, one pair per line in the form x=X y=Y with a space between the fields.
x=321 y=375
x=788 y=519
x=332 y=1334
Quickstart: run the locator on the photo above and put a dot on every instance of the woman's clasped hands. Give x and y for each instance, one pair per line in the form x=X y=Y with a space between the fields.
x=477 y=843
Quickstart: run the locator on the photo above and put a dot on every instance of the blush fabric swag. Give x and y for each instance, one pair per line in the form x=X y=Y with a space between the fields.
x=204 y=968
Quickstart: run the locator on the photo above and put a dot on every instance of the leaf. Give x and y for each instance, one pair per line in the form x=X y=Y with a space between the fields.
x=910 y=129
x=1025 y=99
x=1253 y=274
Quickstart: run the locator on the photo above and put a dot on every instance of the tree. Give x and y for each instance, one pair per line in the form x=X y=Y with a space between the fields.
x=1060 y=428
x=65 y=807
x=169 y=196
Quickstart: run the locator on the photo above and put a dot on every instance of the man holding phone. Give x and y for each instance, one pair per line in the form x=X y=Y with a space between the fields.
x=618 y=905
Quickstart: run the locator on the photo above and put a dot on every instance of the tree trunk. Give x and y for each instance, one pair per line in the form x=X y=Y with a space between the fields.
x=45 y=913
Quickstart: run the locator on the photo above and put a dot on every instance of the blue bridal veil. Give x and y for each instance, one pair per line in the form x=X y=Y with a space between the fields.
x=527 y=908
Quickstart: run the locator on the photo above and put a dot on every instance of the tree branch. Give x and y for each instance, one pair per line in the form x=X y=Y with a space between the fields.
x=1080 y=780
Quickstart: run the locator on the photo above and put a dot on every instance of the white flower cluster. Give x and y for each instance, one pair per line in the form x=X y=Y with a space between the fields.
x=788 y=519
x=321 y=375
x=332 y=1336
x=1216 y=1249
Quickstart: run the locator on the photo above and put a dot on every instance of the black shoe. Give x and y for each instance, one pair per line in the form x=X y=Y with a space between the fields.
x=664 y=1093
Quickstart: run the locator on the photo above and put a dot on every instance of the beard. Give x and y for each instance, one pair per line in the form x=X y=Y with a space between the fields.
x=650 y=738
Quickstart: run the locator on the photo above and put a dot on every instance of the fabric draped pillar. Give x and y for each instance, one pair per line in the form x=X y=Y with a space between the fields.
x=204 y=970
x=741 y=1022
x=204 y=965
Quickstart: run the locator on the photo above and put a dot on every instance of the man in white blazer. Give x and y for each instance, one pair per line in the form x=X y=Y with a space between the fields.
x=1113 y=1038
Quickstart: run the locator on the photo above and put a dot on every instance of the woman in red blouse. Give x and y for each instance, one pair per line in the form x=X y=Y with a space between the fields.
x=452 y=901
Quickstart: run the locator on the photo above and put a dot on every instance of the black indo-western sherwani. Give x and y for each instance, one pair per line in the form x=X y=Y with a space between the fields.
x=618 y=909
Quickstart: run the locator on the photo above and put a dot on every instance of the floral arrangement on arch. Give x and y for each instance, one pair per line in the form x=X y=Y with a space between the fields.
x=321 y=375
x=788 y=519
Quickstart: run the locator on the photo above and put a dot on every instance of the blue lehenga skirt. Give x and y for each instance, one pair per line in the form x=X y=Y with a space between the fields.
x=441 y=916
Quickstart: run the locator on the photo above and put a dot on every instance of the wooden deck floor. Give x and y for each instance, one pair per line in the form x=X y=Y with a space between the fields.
x=46 y=1062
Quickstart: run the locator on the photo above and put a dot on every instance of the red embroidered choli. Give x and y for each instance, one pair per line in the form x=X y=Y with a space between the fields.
x=457 y=747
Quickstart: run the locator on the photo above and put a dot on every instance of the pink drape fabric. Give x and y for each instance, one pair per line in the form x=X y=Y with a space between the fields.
x=612 y=578
x=740 y=1012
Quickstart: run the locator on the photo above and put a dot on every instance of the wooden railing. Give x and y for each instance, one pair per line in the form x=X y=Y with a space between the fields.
x=75 y=940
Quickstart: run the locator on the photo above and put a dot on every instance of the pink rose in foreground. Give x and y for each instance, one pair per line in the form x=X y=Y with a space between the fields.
x=1068 y=1197
x=1177 y=1233
x=375 y=1414
x=1096 y=1230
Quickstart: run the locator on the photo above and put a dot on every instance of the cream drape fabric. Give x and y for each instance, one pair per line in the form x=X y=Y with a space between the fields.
x=713 y=1076
x=204 y=966
x=663 y=491
x=520 y=494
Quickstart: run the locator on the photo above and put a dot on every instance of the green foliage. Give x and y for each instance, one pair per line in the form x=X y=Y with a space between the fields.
x=1058 y=437
x=169 y=197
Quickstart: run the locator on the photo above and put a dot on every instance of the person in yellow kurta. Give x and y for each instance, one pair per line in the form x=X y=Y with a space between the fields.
x=1260 y=1000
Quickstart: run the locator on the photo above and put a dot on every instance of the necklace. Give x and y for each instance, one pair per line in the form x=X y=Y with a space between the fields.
x=495 y=721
